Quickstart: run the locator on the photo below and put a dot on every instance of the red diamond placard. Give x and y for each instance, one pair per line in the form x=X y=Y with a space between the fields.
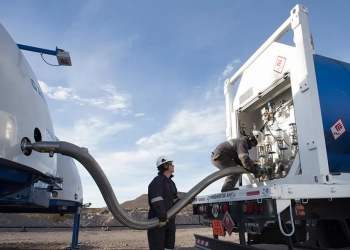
x=228 y=223
x=338 y=129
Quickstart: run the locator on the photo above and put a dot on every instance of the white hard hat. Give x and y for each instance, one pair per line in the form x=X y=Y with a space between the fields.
x=162 y=159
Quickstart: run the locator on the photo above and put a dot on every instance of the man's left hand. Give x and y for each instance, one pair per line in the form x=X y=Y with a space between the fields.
x=162 y=223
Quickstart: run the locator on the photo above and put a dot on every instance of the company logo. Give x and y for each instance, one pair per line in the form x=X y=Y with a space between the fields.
x=338 y=129
x=338 y=126
x=34 y=85
x=37 y=89
x=231 y=194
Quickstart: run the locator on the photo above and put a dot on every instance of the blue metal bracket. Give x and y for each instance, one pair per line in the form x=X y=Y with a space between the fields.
x=63 y=57
x=39 y=50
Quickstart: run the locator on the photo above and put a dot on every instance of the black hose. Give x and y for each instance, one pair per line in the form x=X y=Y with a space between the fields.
x=81 y=155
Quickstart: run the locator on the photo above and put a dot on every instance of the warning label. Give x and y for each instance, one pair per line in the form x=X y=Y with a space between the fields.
x=218 y=229
x=338 y=129
x=279 y=65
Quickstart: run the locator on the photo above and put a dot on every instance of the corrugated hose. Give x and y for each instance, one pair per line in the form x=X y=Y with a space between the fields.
x=82 y=156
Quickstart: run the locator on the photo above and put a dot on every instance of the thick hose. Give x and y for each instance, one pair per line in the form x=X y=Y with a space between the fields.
x=81 y=155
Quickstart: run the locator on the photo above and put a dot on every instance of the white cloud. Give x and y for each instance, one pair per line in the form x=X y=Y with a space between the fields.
x=112 y=101
x=190 y=129
x=58 y=93
x=236 y=61
x=121 y=163
x=90 y=132
x=140 y=114
x=229 y=68
x=192 y=132
x=187 y=131
x=218 y=89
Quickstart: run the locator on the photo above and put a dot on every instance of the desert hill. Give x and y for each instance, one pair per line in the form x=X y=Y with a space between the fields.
x=138 y=204
x=141 y=202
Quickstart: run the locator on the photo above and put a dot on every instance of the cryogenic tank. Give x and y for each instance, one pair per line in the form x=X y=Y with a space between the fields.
x=333 y=82
x=23 y=110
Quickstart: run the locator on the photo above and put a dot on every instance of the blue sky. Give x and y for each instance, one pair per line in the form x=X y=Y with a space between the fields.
x=147 y=76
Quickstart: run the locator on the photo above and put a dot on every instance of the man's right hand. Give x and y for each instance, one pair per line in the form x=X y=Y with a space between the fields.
x=259 y=171
x=258 y=174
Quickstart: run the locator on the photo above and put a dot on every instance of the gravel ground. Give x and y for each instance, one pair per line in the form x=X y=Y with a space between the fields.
x=21 y=220
x=49 y=237
x=117 y=238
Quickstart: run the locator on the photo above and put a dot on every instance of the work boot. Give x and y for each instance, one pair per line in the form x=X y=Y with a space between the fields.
x=226 y=189
x=230 y=183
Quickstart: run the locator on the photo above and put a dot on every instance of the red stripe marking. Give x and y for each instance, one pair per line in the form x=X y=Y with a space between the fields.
x=251 y=193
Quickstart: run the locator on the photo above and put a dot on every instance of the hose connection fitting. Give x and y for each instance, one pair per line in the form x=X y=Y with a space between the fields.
x=41 y=147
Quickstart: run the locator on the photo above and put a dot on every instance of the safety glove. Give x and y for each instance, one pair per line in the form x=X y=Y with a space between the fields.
x=259 y=172
x=163 y=223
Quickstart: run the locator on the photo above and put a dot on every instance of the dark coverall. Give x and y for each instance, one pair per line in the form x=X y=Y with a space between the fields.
x=162 y=194
x=230 y=154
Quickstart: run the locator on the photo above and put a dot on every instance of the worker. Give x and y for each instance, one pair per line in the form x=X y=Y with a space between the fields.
x=162 y=194
x=234 y=153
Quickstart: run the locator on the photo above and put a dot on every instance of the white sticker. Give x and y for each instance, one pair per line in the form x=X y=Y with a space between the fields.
x=338 y=129
x=214 y=210
x=279 y=65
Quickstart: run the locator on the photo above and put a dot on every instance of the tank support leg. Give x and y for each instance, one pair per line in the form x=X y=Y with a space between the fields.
x=76 y=229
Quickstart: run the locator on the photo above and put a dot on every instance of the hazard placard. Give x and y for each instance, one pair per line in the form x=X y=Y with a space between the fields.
x=228 y=223
x=279 y=65
x=338 y=129
x=218 y=228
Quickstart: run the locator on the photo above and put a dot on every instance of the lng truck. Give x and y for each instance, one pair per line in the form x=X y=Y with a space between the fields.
x=296 y=104
x=294 y=101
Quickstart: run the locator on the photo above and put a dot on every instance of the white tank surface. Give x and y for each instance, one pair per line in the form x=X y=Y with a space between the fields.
x=72 y=189
x=271 y=65
x=23 y=109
